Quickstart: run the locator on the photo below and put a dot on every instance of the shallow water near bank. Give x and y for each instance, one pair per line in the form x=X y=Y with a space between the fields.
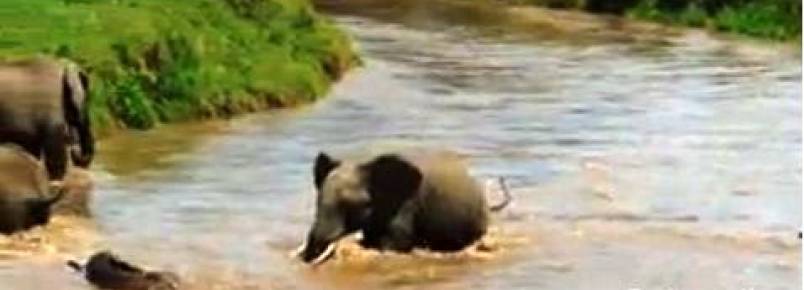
x=639 y=158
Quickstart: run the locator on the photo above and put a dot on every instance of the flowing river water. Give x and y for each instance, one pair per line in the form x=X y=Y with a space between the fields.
x=640 y=157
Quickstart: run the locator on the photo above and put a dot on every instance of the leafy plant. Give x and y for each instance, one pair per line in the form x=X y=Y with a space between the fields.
x=155 y=61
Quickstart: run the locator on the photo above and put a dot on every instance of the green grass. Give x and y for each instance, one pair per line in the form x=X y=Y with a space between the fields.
x=779 y=21
x=770 y=19
x=156 y=61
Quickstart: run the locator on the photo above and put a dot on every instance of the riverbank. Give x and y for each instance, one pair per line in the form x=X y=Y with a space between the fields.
x=769 y=19
x=155 y=61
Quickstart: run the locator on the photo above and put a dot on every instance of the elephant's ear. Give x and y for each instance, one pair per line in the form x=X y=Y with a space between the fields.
x=84 y=79
x=323 y=165
x=75 y=88
x=391 y=178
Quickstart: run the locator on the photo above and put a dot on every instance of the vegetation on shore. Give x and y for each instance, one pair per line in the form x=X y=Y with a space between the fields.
x=155 y=61
x=771 y=19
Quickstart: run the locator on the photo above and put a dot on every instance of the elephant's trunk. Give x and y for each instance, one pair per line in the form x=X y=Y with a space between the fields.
x=319 y=246
x=86 y=143
x=76 y=100
x=315 y=255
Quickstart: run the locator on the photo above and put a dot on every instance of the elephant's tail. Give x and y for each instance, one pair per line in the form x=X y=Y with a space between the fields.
x=75 y=266
x=506 y=195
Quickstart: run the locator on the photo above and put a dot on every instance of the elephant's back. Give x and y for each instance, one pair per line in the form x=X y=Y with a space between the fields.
x=448 y=182
x=30 y=94
x=454 y=211
x=31 y=85
x=20 y=173
x=18 y=181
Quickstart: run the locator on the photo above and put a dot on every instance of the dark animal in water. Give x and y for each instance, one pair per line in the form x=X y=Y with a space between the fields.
x=107 y=271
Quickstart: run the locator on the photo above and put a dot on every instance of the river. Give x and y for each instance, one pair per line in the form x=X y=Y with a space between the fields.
x=639 y=157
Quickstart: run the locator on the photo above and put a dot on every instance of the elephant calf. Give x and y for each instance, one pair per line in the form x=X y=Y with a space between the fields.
x=25 y=200
x=399 y=201
x=106 y=271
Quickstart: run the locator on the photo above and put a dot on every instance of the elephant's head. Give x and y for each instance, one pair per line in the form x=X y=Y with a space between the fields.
x=352 y=196
x=39 y=209
x=76 y=99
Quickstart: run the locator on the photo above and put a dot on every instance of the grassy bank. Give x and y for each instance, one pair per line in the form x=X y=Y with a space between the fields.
x=771 y=19
x=155 y=61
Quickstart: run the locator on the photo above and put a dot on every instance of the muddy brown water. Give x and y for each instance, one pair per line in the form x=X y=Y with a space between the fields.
x=640 y=158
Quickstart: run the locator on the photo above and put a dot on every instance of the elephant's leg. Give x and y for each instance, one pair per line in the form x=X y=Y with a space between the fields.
x=400 y=235
x=28 y=139
x=33 y=149
x=55 y=152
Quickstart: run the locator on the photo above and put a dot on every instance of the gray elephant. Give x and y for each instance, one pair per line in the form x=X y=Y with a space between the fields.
x=43 y=108
x=25 y=199
x=398 y=201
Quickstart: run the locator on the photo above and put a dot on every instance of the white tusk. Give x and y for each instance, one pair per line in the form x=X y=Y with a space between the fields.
x=55 y=186
x=325 y=255
x=298 y=251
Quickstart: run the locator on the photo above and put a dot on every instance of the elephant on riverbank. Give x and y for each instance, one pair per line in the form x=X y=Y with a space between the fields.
x=25 y=198
x=43 y=108
x=398 y=201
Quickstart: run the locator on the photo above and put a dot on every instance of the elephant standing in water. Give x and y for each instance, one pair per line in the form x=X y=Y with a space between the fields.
x=25 y=199
x=43 y=108
x=422 y=199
